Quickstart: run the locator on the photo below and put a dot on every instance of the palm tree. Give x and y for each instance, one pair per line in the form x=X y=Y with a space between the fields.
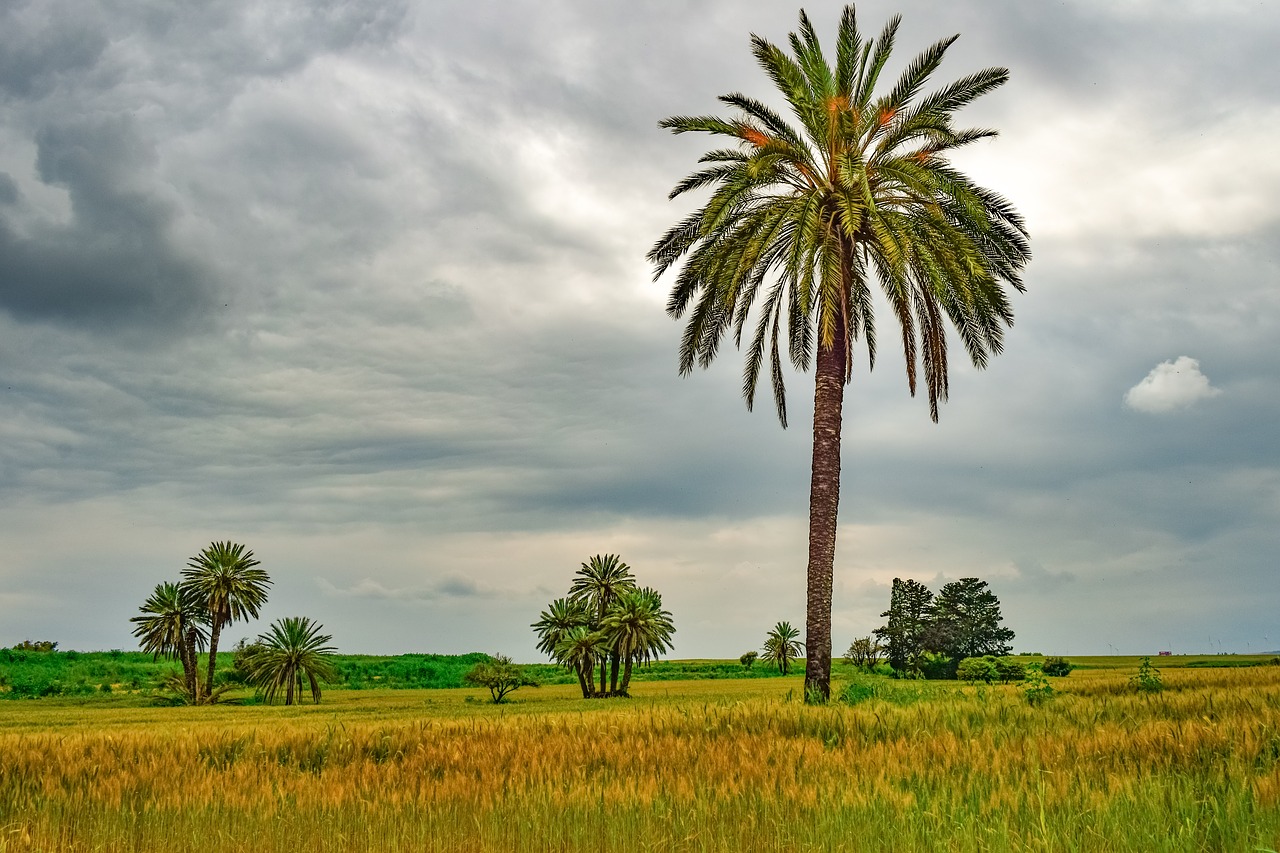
x=801 y=221
x=580 y=648
x=560 y=617
x=595 y=587
x=781 y=645
x=291 y=650
x=637 y=629
x=171 y=626
x=226 y=578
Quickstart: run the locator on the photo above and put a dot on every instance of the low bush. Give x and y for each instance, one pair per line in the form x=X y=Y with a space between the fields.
x=1057 y=666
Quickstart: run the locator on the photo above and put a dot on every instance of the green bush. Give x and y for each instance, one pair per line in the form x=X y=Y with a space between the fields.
x=1036 y=688
x=1009 y=671
x=978 y=669
x=1147 y=679
x=1057 y=666
x=937 y=667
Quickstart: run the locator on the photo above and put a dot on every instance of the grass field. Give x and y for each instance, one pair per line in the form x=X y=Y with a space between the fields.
x=685 y=765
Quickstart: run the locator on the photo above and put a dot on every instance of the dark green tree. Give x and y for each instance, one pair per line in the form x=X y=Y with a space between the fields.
x=292 y=651
x=782 y=645
x=226 y=579
x=905 y=636
x=967 y=621
x=805 y=220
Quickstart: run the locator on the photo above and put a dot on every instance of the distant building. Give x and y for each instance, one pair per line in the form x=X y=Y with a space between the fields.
x=1163 y=654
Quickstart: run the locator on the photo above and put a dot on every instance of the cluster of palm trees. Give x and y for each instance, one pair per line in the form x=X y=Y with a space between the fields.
x=220 y=585
x=608 y=621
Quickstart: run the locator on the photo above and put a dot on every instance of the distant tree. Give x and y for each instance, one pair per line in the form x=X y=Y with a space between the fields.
x=905 y=636
x=782 y=645
x=966 y=621
x=500 y=676
x=596 y=585
x=226 y=578
x=36 y=646
x=1057 y=666
x=579 y=649
x=172 y=625
x=606 y=620
x=292 y=650
x=636 y=629
x=864 y=653
x=749 y=659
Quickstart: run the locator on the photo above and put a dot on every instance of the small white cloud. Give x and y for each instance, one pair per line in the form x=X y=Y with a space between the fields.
x=1170 y=385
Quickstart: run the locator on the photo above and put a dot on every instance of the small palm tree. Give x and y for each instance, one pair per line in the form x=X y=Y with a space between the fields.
x=172 y=626
x=226 y=579
x=782 y=645
x=637 y=629
x=293 y=649
x=596 y=586
x=560 y=617
x=579 y=649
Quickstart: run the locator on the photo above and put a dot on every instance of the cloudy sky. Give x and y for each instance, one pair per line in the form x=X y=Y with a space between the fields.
x=362 y=285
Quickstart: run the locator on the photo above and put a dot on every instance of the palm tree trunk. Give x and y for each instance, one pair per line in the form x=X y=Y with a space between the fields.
x=190 y=665
x=613 y=673
x=214 y=631
x=582 y=681
x=824 y=506
x=626 y=676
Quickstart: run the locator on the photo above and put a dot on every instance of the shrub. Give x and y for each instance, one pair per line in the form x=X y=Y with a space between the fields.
x=935 y=667
x=1057 y=666
x=858 y=692
x=1036 y=688
x=1147 y=679
x=748 y=659
x=1009 y=670
x=978 y=669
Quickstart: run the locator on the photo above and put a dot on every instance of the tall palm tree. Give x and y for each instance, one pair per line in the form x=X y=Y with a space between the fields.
x=291 y=650
x=595 y=587
x=172 y=626
x=228 y=581
x=802 y=219
x=637 y=629
x=781 y=645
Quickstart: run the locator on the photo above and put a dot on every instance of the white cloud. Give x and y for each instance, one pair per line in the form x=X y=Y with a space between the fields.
x=1171 y=385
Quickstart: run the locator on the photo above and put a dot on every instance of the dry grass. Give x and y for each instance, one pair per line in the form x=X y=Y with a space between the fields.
x=723 y=765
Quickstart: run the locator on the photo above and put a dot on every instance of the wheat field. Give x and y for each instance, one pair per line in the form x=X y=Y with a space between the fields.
x=697 y=765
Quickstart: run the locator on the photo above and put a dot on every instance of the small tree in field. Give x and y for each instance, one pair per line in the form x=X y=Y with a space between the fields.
x=783 y=645
x=864 y=652
x=748 y=660
x=500 y=675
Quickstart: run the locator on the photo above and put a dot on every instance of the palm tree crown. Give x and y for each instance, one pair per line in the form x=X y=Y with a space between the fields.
x=801 y=220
